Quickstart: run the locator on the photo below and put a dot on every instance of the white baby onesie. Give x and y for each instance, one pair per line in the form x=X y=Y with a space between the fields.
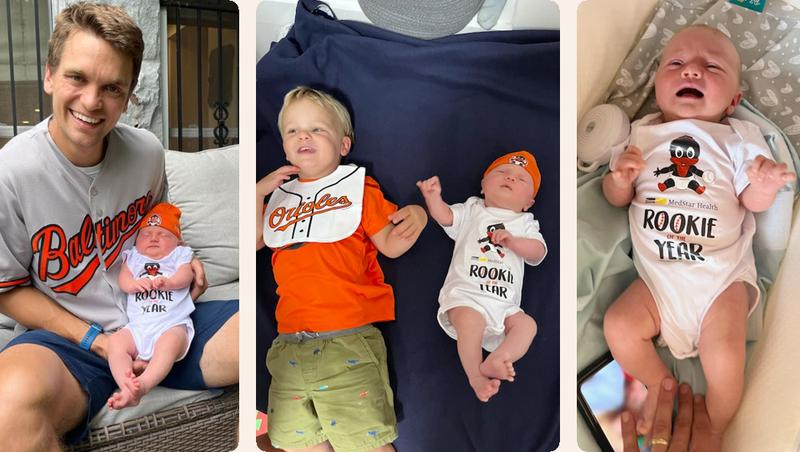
x=691 y=236
x=152 y=312
x=484 y=276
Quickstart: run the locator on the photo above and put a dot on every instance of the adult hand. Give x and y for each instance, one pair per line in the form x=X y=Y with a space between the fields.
x=691 y=430
x=199 y=283
x=100 y=348
x=139 y=366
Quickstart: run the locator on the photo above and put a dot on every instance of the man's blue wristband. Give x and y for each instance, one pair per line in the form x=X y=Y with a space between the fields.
x=88 y=338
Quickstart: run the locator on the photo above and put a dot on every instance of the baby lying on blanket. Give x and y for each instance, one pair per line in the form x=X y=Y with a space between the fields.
x=495 y=237
x=692 y=178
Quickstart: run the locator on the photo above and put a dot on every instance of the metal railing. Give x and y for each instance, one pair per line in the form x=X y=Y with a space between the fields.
x=15 y=33
x=23 y=102
x=205 y=15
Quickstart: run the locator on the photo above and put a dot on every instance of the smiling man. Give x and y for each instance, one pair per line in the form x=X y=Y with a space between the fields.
x=72 y=190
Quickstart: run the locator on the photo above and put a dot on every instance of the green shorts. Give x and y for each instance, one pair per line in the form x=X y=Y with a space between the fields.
x=334 y=390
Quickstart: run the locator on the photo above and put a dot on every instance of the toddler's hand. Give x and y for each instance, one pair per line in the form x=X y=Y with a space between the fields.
x=501 y=237
x=628 y=167
x=768 y=175
x=273 y=180
x=408 y=221
x=430 y=187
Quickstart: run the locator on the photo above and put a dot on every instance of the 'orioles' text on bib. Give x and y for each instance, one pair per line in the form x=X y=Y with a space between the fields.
x=324 y=210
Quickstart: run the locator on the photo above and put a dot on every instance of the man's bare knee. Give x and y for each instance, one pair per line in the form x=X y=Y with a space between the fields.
x=220 y=361
x=39 y=398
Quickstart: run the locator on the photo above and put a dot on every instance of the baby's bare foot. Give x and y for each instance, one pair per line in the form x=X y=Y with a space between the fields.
x=484 y=387
x=129 y=394
x=499 y=366
x=121 y=399
x=132 y=384
x=647 y=413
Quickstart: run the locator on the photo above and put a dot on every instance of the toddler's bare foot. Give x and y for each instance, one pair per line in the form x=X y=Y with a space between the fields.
x=484 y=387
x=647 y=413
x=499 y=366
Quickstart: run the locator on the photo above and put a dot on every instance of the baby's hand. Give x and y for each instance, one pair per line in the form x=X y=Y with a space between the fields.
x=501 y=237
x=160 y=282
x=273 y=180
x=430 y=187
x=143 y=284
x=629 y=164
x=767 y=175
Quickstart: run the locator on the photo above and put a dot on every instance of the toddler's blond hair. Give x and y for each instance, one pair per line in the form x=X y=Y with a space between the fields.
x=325 y=101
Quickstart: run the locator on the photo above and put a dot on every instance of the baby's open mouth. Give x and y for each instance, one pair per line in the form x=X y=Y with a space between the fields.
x=690 y=92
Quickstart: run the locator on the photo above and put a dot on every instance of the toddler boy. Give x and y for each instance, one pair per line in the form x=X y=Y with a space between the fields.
x=330 y=383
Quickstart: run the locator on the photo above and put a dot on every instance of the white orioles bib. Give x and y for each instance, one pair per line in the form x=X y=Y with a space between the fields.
x=325 y=210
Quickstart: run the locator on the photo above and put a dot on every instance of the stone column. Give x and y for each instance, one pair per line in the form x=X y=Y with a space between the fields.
x=144 y=109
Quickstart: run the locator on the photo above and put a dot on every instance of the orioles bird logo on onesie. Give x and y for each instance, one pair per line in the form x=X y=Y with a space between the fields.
x=684 y=154
x=151 y=270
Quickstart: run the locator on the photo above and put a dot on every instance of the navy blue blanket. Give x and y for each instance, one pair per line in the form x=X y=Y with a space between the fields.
x=446 y=107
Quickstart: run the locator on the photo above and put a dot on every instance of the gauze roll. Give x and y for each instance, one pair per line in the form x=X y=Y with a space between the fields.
x=602 y=128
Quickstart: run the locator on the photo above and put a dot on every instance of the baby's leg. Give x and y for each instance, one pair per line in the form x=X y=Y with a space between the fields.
x=168 y=348
x=630 y=325
x=469 y=325
x=520 y=330
x=121 y=352
x=722 y=353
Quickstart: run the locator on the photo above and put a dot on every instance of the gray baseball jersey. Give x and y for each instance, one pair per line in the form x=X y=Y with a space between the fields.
x=63 y=232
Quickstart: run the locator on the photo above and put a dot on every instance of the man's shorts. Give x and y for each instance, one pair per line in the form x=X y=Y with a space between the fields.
x=94 y=375
x=334 y=390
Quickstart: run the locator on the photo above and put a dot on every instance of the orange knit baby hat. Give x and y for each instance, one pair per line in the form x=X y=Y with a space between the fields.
x=164 y=215
x=521 y=158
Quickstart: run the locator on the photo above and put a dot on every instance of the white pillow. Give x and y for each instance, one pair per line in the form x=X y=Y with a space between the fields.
x=205 y=186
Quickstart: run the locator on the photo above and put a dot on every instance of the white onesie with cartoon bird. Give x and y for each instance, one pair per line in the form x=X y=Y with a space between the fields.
x=484 y=276
x=691 y=236
x=153 y=312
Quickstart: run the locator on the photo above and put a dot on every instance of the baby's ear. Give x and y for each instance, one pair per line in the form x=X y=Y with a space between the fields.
x=734 y=103
x=530 y=204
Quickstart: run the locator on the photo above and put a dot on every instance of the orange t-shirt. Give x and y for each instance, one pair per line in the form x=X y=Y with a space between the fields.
x=339 y=285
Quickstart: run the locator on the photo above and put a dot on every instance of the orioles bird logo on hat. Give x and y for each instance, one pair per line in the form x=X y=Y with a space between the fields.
x=154 y=220
x=518 y=160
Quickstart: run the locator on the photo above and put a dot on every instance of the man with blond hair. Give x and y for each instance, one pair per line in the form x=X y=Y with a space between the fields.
x=72 y=191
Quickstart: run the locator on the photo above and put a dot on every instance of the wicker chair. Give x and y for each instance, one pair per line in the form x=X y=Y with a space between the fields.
x=206 y=426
